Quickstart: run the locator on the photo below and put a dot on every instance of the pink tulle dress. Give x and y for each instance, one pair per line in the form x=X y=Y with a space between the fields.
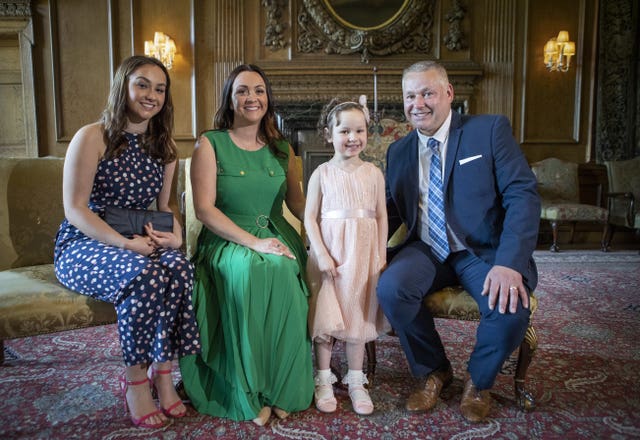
x=346 y=307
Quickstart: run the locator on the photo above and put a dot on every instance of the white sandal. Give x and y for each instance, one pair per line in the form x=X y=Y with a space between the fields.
x=323 y=395
x=360 y=399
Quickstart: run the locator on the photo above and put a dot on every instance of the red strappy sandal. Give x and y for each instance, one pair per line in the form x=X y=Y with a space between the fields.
x=124 y=386
x=166 y=411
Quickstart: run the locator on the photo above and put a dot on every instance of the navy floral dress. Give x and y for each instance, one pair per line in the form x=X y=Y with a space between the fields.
x=151 y=294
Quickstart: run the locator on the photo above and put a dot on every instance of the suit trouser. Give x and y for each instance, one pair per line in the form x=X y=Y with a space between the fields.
x=413 y=274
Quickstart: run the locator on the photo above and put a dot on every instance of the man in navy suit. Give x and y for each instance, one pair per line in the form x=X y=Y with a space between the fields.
x=491 y=213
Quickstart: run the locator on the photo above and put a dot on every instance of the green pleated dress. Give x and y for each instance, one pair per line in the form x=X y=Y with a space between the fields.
x=251 y=307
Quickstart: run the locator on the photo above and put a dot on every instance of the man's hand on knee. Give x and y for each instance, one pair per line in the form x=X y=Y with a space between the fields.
x=504 y=286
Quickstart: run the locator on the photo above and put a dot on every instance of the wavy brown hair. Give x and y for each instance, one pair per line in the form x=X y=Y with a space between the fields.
x=157 y=141
x=268 y=131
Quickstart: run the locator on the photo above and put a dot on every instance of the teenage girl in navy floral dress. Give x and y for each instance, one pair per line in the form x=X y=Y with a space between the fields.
x=128 y=159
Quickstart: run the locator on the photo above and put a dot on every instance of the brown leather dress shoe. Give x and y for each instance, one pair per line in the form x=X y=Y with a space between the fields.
x=426 y=398
x=475 y=405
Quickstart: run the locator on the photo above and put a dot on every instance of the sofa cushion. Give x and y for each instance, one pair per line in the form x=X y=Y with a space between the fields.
x=455 y=303
x=572 y=212
x=33 y=302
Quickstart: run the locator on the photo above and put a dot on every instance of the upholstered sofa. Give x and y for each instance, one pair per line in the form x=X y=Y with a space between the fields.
x=32 y=302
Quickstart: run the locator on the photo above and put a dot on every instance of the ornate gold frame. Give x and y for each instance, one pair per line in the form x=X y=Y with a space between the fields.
x=345 y=23
x=409 y=30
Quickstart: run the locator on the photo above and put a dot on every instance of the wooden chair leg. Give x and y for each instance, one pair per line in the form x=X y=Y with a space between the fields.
x=608 y=235
x=554 y=232
x=605 y=232
x=524 y=399
x=573 y=230
x=370 y=348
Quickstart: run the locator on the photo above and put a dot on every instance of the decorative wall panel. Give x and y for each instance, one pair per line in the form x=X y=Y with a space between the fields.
x=18 y=129
x=617 y=127
x=81 y=71
x=12 y=135
x=495 y=91
x=175 y=20
x=552 y=100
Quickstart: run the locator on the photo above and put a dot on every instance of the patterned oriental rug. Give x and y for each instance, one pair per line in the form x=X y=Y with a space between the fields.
x=585 y=376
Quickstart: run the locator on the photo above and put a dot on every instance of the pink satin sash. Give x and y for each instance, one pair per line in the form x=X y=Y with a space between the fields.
x=349 y=213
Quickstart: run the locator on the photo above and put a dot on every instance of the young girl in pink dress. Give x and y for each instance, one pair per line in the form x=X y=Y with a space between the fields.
x=346 y=222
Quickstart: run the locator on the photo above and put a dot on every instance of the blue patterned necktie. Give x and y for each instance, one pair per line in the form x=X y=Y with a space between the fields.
x=437 y=226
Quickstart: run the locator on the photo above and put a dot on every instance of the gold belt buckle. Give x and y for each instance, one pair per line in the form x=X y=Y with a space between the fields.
x=262 y=221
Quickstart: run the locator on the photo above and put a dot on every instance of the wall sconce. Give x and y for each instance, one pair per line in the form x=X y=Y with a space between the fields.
x=558 y=52
x=162 y=48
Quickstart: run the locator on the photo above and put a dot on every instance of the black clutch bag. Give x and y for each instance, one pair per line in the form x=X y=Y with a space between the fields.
x=129 y=222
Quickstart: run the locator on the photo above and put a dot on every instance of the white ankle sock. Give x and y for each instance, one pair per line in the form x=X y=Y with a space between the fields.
x=355 y=377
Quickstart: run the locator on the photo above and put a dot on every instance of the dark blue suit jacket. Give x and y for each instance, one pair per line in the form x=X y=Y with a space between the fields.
x=491 y=197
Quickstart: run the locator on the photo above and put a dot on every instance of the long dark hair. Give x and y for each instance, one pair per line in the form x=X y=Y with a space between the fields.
x=157 y=141
x=268 y=131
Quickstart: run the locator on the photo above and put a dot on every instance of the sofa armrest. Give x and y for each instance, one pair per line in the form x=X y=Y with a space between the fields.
x=30 y=209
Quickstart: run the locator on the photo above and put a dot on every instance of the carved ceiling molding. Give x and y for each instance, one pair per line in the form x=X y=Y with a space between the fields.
x=410 y=32
x=15 y=8
x=455 y=39
x=274 y=29
x=616 y=115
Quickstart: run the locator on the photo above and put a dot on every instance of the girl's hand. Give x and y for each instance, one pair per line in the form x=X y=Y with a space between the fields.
x=273 y=246
x=141 y=244
x=327 y=265
x=162 y=239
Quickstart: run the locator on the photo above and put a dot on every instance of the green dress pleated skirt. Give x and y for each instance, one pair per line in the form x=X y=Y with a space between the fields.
x=251 y=307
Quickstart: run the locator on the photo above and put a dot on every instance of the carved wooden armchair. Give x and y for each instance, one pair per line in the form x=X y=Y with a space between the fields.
x=559 y=194
x=623 y=196
x=455 y=303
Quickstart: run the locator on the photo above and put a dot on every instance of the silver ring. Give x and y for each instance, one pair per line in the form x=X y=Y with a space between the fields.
x=513 y=288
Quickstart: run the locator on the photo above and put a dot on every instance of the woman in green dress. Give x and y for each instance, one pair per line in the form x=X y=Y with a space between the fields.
x=249 y=294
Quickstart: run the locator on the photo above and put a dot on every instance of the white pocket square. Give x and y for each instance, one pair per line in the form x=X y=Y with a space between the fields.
x=469 y=159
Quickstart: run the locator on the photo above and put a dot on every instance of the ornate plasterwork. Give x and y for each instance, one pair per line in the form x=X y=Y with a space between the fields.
x=616 y=120
x=456 y=39
x=323 y=86
x=411 y=31
x=15 y=8
x=274 y=27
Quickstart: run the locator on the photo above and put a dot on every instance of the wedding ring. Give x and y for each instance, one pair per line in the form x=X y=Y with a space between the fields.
x=513 y=288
